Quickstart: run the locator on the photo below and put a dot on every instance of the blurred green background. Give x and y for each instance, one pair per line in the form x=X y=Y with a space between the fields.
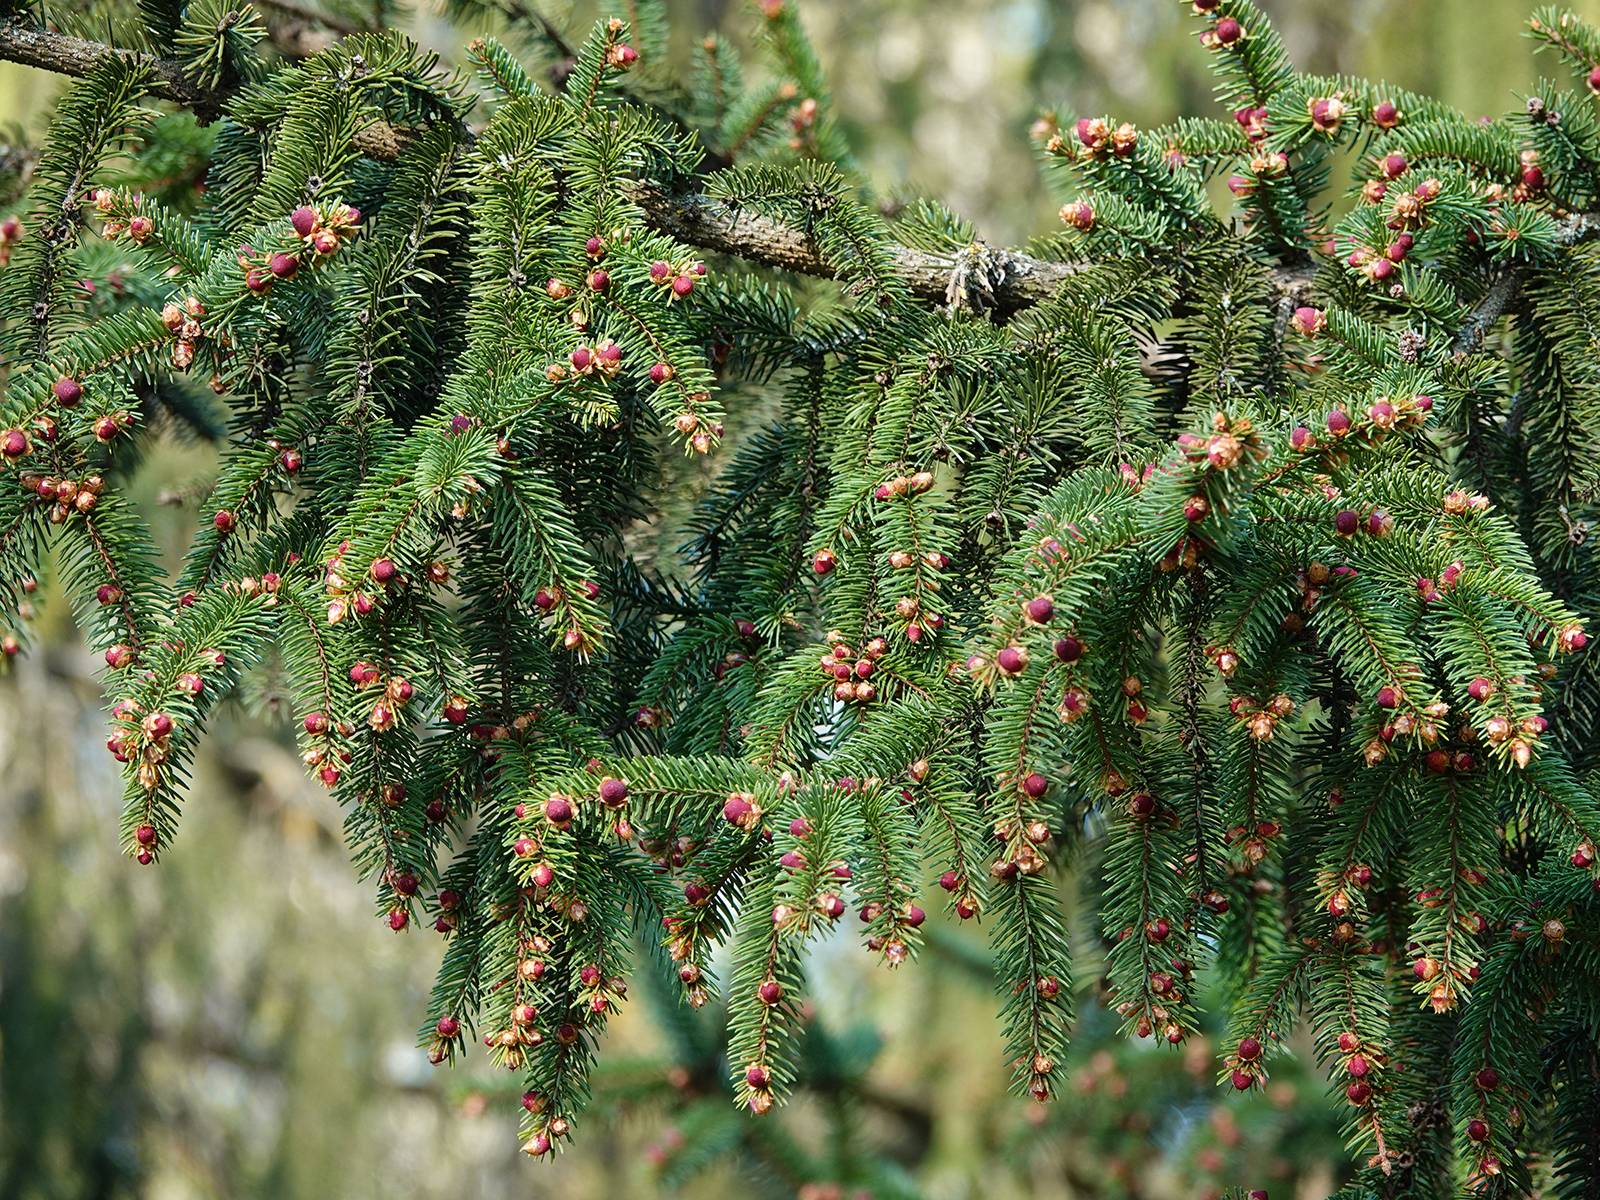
x=238 y=1023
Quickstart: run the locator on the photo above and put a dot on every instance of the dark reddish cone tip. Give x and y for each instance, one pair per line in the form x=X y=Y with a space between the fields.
x=557 y=810
x=1069 y=649
x=448 y=1027
x=1035 y=785
x=1487 y=1079
x=1041 y=609
x=770 y=992
x=1010 y=660
x=146 y=835
x=613 y=791
x=304 y=220
x=1249 y=1049
x=1243 y=1080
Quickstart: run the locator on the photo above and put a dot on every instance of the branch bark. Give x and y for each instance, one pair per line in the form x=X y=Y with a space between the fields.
x=1018 y=280
x=1502 y=294
x=76 y=57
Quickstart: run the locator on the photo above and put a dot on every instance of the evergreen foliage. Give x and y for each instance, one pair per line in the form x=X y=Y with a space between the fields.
x=1236 y=543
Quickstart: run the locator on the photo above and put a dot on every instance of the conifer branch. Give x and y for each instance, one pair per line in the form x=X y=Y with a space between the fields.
x=1013 y=279
x=1249 y=637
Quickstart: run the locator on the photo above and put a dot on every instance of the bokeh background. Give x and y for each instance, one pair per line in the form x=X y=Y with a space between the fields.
x=238 y=1023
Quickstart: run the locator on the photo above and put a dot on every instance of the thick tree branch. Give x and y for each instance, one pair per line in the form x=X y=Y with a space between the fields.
x=74 y=56
x=1009 y=281
x=1016 y=279
x=1002 y=280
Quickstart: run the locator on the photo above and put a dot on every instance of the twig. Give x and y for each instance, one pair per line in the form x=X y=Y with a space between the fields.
x=315 y=16
x=529 y=15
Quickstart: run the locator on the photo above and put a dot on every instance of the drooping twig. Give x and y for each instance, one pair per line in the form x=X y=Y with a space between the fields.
x=315 y=16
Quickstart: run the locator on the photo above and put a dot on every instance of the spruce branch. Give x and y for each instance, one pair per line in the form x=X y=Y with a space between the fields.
x=1010 y=280
x=1274 y=625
